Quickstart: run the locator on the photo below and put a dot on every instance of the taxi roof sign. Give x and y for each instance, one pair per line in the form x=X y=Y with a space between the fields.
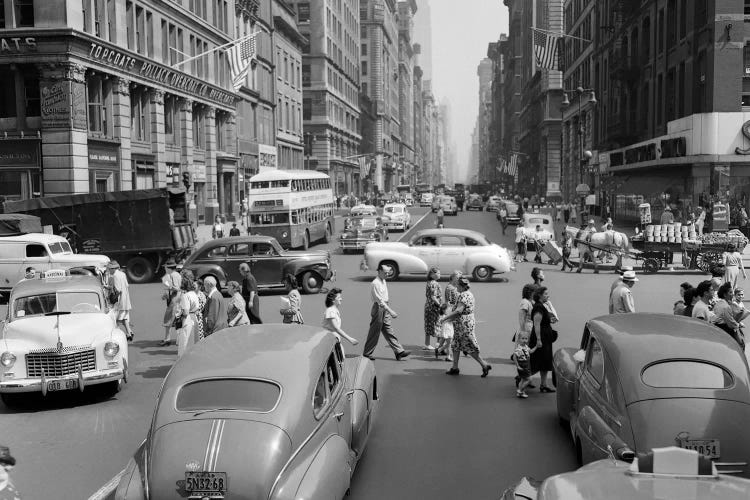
x=54 y=274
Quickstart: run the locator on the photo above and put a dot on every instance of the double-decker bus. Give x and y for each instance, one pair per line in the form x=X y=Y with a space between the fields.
x=294 y=206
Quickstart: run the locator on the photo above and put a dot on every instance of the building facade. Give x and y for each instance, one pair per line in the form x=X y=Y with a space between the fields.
x=330 y=80
x=484 y=167
x=404 y=141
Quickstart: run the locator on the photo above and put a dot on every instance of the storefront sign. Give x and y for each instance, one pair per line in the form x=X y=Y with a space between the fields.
x=17 y=44
x=199 y=172
x=158 y=73
x=55 y=104
x=19 y=153
x=104 y=155
x=79 y=106
x=266 y=157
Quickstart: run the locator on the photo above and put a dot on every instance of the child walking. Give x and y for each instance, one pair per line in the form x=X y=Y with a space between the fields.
x=445 y=335
x=522 y=357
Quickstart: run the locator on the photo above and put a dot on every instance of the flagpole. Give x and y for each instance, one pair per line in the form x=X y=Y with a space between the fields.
x=220 y=47
x=560 y=34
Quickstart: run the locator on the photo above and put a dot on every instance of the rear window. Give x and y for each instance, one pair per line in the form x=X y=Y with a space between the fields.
x=686 y=374
x=229 y=394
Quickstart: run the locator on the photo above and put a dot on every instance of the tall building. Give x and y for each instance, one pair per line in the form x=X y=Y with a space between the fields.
x=288 y=46
x=423 y=36
x=417 y=131
x=484 y=166
x=404 y=140
x=430 y=172
x=98 y=96
x=330 y=78
x=379 y=73
x=498 y=148
x=514 y=79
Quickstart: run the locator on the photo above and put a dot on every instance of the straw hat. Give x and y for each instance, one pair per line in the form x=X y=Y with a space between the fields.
x=629 y=276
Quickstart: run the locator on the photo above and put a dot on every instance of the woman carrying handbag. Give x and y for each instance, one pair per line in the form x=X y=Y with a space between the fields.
x=293 y=312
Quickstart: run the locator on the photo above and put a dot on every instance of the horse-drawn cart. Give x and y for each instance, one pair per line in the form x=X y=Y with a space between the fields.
x=697 y=254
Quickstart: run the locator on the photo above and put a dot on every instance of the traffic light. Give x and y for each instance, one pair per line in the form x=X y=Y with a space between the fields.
x=187 y=180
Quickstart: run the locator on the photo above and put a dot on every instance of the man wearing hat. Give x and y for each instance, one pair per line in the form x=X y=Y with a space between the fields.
x=235 y=231
x=616 y=282
x=666 y=216
x=380 y=318
x=621 y=300
x=172 y=282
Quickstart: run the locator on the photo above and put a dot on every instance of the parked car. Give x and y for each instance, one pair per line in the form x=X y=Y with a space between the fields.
x=22 y=245
x=396 y=216
x=279 y=414
x=359 y=231
x=448 y=249
x=475 y=203
x=426 y=200
x=644 y=381
x=511 y=207
x=530 y=221
x=672 y=472
x=493 y=203
x=269 y=263
x=362 y=210
x=58 y=336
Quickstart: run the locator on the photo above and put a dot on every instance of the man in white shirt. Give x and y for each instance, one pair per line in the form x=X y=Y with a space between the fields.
x=621 y=298
x=380 y=318
x=520 y=244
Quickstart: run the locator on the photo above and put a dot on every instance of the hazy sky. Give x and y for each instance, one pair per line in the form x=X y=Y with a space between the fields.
x=461 y=30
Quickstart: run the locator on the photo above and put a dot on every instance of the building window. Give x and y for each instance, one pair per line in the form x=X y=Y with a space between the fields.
x=172 y=44
x=8 y=95
x=672 y=28
x=221 y=130
x=139 y=107
x=85 y=9
x=364 y=68
x=130 y=24
x=303 y=12
x=99 y=18
x=199 y=128
x=683 y=18
x=111 y=21
x=171 y=119
x=98 y=91
x=24 y=13
x=143 y=175
x=31 y=94
x=364 y=49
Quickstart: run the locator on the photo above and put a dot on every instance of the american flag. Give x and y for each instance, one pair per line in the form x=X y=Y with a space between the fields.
x=364 y=166
x=513 y=167
x=545 y=49
x=503 y=168
x=240 y=54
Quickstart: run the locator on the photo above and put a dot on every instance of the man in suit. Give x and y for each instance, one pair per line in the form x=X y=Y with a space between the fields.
x=215 y=313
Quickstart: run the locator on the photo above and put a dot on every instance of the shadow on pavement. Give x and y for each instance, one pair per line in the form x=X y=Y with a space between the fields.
x=155 y=371
x=35 y=402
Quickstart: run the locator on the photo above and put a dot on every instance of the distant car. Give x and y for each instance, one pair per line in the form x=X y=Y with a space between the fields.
x=531 y=221
x=269 y=263
x=460 y=198
x=362 y=210
x=58 y=336
x=493 y=203
x=449 y=205
x=448 y=249
x=512 y=208
x=475 y=203
x=409 y=200
x=426 y=200
x=644 y=381
x=669 y=471
x=264 y=411
x=396 y=216
x=359 y=231
x=436 y=201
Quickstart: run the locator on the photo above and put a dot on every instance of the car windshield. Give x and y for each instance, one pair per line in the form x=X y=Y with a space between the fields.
x=394 y=210
x=228 y=394
x=365 y=223
x=686 y=374
x=60 y=247
x=72 y=302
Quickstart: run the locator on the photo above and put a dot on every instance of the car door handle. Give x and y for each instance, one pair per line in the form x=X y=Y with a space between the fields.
x=349 y=395
x=339 y=415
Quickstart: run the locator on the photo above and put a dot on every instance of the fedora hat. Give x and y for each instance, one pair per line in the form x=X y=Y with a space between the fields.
x=113 y=264
x=170 y=263
x=629 y=276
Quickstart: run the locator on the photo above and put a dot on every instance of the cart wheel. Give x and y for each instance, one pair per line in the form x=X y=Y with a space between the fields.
x=704 y=263
x=650 y=266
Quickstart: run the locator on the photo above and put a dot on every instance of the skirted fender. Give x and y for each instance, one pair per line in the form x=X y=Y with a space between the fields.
x=595 y=436
x=407 y=264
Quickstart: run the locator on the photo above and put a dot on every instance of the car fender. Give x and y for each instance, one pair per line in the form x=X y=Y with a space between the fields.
x=595 y=435
x=407 y=264
x=362 y=384
x=566 y=373
x=131 y=485
x=320 y=473
x=212 y=269
x=484 y=259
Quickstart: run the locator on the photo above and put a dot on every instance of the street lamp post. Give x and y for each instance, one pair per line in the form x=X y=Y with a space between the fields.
x=583 y=156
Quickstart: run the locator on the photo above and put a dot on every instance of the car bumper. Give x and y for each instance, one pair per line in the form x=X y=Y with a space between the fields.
x=395 y=224
x=354 y=244
x=85 y=379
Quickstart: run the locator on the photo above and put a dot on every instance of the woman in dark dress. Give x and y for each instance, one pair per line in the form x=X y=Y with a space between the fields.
x=542 y=336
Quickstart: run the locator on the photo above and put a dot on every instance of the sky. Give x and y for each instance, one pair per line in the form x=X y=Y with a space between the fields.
x=461 y=30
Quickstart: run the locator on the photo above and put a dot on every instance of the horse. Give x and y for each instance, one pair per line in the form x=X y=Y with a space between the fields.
x=611 y=240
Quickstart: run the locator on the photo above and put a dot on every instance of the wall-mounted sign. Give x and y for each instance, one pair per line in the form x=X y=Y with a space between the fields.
x=19 y=153
x=17 y=44
x=266 y=157
x=56 y=103
x=104 y=155
x=199 y=172
x=91 y=246
x=79 y=106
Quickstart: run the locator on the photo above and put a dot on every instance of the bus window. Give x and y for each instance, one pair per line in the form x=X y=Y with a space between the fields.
x=295 y=217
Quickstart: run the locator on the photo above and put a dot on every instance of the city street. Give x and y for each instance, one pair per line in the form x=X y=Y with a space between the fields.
x=435 y=436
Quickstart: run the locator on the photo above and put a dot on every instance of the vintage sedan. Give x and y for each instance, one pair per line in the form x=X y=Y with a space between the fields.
x=264 y=411
x=662 y=473
x=362 y=209
x=493 y=203
x=643 y=381
x=58 y=336
x=269 y=263
x=474 y=203
x=529 y=222
x=396 y=216
x=449 y=205
x=359 y=231
x=448 y=249
x=511 y=208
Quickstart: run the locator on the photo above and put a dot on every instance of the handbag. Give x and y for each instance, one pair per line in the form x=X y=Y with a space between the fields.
x=553 y=336
x=113 y=295
x=177 y=323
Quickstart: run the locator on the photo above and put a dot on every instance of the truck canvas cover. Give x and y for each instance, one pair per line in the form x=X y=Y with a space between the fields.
x=18 y=224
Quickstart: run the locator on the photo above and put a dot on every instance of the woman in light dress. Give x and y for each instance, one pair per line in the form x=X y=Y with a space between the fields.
x=293 y=313
x=187 y=309
x=332 y=316
x=733 y=264
x=237 y=316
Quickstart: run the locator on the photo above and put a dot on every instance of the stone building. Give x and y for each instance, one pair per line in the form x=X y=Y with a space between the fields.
x=403 y=138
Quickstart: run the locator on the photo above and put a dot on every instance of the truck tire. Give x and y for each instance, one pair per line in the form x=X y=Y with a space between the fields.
x=139 y=269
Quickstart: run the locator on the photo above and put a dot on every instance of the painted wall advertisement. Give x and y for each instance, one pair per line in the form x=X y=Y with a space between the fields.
x=79 y=106
x=266 y=157
x=55 y=104
x=199 y=172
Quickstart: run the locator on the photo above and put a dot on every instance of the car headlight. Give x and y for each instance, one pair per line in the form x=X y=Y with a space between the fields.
x=284 y=234
x=111 y=349
x=7 y=359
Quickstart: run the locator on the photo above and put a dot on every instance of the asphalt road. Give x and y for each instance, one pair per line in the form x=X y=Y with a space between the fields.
x=435 y=436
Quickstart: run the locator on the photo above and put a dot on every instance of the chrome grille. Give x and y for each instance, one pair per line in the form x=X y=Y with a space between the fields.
x=57 y=364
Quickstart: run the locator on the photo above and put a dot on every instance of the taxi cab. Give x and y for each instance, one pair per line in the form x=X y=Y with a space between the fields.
x=59 y=336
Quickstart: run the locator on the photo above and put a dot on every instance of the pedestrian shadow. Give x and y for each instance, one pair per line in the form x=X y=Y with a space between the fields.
x=419 y=278
x=155 y=371
x=500 y=361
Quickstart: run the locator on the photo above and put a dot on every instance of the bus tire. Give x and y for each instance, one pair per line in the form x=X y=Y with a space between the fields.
x=139 y=269
x=327 y=236
x=312 y=282
x=306 y=241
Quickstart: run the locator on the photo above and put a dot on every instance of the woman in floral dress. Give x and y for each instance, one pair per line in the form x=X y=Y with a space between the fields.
x=464 y=324
x=202 y=299
x=433 y=295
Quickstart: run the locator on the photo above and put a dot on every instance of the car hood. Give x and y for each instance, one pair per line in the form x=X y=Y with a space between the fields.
x=322 y=254
x=75 y=329
x=654 y=425
x=251 y=453
x=359 y=231
x=81 y=259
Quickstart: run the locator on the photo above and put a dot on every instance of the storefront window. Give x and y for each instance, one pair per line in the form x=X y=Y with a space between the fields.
x=8 y=95
x=14 y=185
x=24 y=13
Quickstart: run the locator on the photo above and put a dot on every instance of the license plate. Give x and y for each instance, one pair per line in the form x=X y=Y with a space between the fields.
x=206 y=483
x=707 y=447
x=62 y=385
